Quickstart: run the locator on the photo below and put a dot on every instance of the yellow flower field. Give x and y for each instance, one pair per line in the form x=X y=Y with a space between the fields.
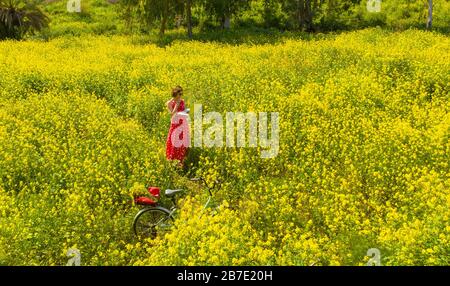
x=363 y=161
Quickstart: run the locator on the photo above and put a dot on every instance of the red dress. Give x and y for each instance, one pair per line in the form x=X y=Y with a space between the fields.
x=178 y=138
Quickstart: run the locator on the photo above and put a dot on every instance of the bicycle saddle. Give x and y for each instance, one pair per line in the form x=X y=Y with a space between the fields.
x=170 y=193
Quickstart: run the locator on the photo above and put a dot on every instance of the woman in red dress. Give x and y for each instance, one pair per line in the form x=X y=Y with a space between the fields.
x=178 y=137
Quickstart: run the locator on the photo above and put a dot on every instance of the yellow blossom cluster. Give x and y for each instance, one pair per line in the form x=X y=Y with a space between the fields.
x=363 y=160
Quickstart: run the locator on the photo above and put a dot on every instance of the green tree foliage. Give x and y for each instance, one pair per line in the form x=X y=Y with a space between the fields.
x=305 y=15
x=17 y=17
x=404 y=14
x=302 y=12
x=151 y=12
x=223 y=10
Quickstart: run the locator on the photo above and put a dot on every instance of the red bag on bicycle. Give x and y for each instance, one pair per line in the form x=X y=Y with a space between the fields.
x=155 y=192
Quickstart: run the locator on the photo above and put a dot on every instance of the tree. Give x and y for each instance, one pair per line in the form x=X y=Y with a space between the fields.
x=303 y=12
x=189 y=17
x=271 y=13
x=151 y=11
x=128 y=10
x=17 y=17
x=430 y=14
x=223 y=10
x=159 y=11
x=403 y=14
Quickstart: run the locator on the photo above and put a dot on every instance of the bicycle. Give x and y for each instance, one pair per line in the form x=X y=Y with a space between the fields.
x=154 y=218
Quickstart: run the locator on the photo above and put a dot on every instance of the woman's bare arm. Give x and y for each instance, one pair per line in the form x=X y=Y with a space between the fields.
x=175 y=108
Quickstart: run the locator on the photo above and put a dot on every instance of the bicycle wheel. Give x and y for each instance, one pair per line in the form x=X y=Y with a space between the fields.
x=150 y=222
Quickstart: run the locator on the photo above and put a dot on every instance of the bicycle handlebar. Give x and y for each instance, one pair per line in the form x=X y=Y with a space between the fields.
x=207 y=185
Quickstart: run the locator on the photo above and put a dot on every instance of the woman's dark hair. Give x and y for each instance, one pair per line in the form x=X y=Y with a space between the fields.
x=176 y=90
